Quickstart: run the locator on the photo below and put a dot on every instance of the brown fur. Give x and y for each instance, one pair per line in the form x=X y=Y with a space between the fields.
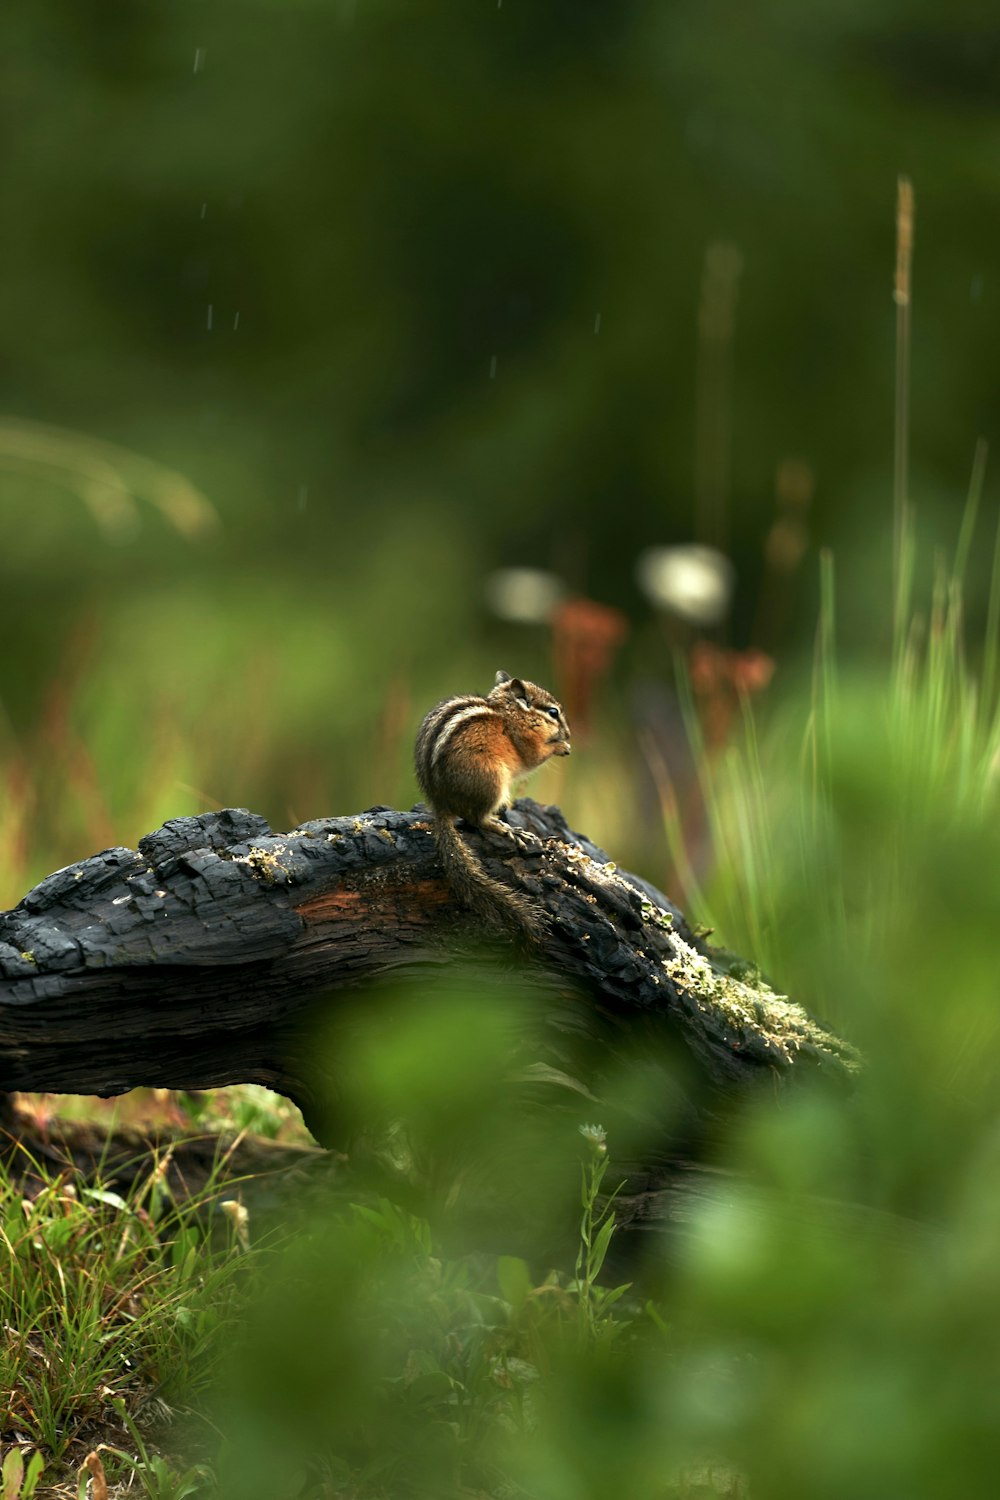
x=468 y=751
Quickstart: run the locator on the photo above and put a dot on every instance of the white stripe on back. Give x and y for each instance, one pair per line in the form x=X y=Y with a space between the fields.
x=460 y=717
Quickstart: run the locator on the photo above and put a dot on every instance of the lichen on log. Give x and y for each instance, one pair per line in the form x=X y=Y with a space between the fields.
x=195 y=960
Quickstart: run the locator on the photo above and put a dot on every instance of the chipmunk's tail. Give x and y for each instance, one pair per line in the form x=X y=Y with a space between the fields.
x=502 y=908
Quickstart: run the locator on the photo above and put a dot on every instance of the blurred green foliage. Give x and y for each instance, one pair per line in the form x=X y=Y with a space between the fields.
x=821 y=1320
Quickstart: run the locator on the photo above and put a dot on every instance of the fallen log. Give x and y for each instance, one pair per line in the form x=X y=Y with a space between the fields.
x=199 y=959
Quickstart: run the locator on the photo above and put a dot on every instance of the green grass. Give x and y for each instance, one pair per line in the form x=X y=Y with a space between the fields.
x=114 y=1309
x=910 y=749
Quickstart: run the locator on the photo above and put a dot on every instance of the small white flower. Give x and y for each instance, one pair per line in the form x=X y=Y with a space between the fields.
x=596 y=1137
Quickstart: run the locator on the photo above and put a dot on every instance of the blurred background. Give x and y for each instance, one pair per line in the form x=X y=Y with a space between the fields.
x=317 y=315
x=354 y=349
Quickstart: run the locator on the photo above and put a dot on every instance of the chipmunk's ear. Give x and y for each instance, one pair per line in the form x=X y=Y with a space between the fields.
x=515 y=687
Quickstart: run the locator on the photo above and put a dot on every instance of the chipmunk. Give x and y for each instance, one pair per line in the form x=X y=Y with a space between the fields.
x=468 y=751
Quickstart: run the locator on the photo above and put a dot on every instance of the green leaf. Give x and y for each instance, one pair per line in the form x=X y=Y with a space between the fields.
x=36 y=1465
x=192 y=1482
x=608 y=1299
x=12 y=1474
x=656 y=1317
x=601 y=1244
x=184 y=1251
x=102 y=1195
x=514 y=1280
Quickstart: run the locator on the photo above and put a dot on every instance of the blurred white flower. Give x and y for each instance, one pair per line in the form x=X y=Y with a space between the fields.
x=525 y=596
x=692 y=581
x=239 y=1217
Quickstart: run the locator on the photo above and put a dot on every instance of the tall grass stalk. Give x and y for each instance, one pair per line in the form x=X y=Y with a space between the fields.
x=901 y=446
x=989 y=674
x=931 y=718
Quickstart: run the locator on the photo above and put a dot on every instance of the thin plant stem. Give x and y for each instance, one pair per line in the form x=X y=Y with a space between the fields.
x=971 y=512
x=902 y=294
x=988 y=689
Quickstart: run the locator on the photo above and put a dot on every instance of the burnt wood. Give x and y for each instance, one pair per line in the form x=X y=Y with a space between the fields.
x=197 y=960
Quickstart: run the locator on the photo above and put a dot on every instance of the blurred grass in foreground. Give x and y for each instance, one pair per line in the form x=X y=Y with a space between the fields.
x=826 y=1325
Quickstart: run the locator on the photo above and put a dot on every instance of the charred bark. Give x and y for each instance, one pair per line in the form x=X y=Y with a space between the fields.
x=197 y=960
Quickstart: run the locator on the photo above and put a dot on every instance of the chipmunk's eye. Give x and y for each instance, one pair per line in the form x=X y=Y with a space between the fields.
x=551 y=710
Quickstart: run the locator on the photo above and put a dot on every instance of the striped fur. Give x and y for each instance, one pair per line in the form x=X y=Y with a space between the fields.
x=449 y=723
x=468 y=751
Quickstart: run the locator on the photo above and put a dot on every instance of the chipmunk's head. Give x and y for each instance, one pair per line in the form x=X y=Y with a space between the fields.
x=538 y=716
